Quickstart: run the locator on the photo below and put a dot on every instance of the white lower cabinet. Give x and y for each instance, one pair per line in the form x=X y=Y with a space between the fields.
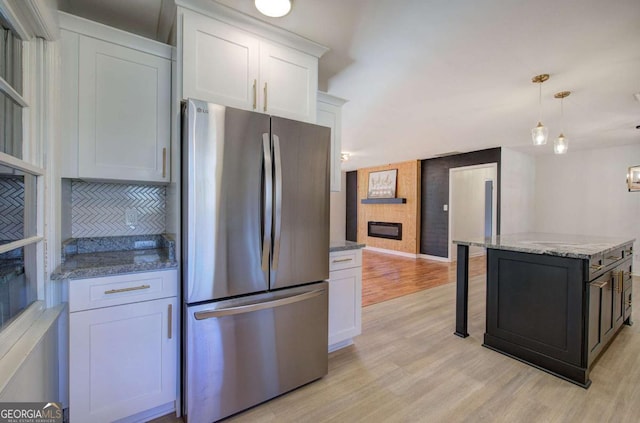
x=345 y=297
x=122 y=358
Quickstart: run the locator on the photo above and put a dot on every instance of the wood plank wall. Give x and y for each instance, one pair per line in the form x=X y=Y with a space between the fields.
x=408 y=186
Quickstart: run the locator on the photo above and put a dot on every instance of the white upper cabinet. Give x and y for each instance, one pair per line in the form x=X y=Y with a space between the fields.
x=124 y=99
x=221 y=63
x=330 y=114
x=289 y=81
x=117 y=126
x=226 y=62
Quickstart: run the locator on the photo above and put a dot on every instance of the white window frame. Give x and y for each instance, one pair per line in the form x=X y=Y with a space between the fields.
x=39 y=72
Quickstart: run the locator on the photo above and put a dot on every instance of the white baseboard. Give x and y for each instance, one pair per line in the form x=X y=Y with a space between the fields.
x=394 y=252
x=341 y=344
x=154 y=413
x=434 y=258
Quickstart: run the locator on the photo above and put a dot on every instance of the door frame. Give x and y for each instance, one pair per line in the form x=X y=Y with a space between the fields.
x=494 y=218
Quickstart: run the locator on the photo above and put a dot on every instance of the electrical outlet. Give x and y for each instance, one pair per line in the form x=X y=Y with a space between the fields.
x=131 y=218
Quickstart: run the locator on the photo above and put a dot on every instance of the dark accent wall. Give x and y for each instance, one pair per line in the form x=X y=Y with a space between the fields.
x=434 y=222
x=352 y=206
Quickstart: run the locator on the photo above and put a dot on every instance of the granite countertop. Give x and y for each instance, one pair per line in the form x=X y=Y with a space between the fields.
x=109 y=256
x=574 y=246
x=344 y=245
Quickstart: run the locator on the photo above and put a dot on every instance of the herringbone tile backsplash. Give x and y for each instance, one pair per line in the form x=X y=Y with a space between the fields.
x=98 y=209
x=11 y=208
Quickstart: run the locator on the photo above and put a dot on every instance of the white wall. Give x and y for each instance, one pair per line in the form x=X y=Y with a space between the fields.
x=517 y=192
x=36 y=375
x=338 y=214
x=467 y=204
x=585 y=192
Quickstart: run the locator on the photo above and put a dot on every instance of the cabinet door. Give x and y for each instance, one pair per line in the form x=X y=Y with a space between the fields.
x=122 y=360
x=124 y=98
x=330 y=115
x=345 y=304
x=288 y=83
x=618 y=297
x=220 y=63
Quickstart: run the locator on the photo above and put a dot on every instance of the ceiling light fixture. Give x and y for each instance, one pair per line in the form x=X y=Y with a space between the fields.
x=561 y=144
x=273 y=8
x=540 y=132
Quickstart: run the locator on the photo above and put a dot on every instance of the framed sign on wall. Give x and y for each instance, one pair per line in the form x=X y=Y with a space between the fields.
x=382 y=184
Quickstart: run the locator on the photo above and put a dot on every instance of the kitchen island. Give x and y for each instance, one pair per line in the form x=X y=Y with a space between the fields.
x=553 y=301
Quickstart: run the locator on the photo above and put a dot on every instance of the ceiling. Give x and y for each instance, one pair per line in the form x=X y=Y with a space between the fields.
x=429 y=77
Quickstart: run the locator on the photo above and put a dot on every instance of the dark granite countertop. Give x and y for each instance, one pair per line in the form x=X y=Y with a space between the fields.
x=574 y=246
x=344 y=245
x=109 y=256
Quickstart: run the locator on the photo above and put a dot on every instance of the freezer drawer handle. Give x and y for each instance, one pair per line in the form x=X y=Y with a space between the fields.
x=133 y=288
x=209 y=314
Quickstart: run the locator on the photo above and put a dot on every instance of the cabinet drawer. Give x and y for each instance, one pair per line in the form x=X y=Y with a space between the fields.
x=345 y=259
x=613 y=256
x=86 y=294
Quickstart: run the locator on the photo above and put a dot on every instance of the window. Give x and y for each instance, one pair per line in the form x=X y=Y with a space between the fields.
x=10 y=107
x=19 y=181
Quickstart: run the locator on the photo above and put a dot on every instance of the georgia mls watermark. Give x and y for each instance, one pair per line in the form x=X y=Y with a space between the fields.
x=30 y=412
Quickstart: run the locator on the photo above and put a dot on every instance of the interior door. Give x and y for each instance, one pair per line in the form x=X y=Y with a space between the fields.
x=224 y=168
x=301 y=203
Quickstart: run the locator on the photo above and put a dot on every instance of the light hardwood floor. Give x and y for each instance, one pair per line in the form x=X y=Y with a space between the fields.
x=387 y=276
x=407 y=366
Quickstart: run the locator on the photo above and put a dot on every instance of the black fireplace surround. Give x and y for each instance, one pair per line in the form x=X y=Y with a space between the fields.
x=387 y=230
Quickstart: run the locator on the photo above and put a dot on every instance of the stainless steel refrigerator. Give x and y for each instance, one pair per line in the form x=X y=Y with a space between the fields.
x=255 y=255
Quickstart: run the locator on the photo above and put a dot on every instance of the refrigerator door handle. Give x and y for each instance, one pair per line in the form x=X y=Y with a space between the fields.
x=268 y=201
x=210 y=314
x=278 y=201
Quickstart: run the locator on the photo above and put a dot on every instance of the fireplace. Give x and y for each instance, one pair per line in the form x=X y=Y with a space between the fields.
x=387 y=230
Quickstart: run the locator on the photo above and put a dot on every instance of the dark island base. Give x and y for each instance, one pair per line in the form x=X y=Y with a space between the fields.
x=568 y=372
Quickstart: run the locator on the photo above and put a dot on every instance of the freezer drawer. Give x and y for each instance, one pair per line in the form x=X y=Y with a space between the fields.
x=245 y=351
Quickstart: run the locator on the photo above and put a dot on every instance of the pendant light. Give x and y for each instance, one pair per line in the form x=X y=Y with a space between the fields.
x=561 y=144
x=540 y=132
x=273 y=8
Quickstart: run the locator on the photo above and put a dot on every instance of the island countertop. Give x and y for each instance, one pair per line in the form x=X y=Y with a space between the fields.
x=562 y=245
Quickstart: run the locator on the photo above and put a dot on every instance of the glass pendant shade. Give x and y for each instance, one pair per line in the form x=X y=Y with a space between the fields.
x=560 y=145
x=273 y=8
x=539 y=134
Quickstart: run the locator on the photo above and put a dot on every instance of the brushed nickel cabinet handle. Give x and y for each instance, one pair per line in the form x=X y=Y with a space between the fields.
x=255 y=94
x=169 y=313
x=600 y=284
x=133 y=288
x=341 y=260
x=596 y=267
x=265 y=96
x=628 y=252
x=614 y=258
x=164 y=162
